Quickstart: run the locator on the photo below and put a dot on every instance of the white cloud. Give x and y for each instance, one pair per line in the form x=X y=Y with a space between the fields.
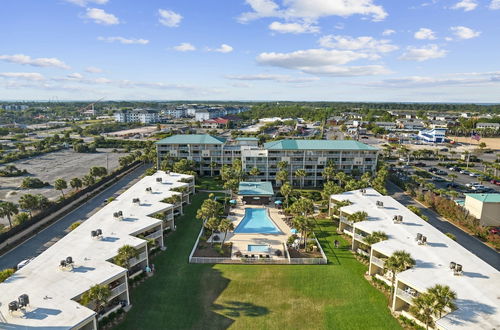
x=40 y=62
x=99 y=16
x=466 y=5
x=222 y=49
x=388 y=32
x=360 y=43
x=494 y=4
x=93 y=69
x=424 y=53
x=295 y=28
x=33 y=76
x=322 y=62
x=463 y=32
x=124 y=40
x=425 y=34
x=75 y=75
x=312 y=10
x=272 y=77
x=169 y=18
x=83 y=3
x=185 y=47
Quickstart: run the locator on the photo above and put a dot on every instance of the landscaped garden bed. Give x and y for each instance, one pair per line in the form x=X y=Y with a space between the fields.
x=205 y=249
x=304 y=253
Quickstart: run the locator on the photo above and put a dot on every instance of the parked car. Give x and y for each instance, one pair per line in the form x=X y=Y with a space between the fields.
x=474 y=175
x=433 y=169
x=495 y=182
x=452 y=185
x=444 y=149
x=441 y=172
x=437 y=179
x=23 y=263
x=420 y=164
x=478 y=188
x=464 y=172
x=495 y=230
x=471 y=184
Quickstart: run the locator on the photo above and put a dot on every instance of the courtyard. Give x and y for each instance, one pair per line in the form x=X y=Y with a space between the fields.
x=206 y=296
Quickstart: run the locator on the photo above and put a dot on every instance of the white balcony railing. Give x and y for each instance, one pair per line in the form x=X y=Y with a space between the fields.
x=140 y=257
x=378 y=262
x=406 y=296
x=154 y=235
x=118 y=290
x=359 y=237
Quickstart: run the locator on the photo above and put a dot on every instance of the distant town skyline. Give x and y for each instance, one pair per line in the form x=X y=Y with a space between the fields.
x=297 y=50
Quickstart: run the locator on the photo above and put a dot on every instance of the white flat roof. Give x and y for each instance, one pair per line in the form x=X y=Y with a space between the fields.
x=477 y=289
x=51 y=289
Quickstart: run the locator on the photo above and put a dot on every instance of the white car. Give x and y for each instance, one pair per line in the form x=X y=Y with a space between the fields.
x=23 y=263
x=472 y=184
x=478 y=187
x=474 y=174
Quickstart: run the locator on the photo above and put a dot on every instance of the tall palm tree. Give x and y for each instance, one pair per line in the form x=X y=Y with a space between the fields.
x=286 y=190
x=224 y=226
x=444 y=298
x=282 y=165
x=76 y=183
x=423 y=308
x=398 y=262
x=301 y=174
x=329 y=173
x=282 y=176
x=254 y=172
x=212 y=166
x=341 y=177
x=29 y=202
x=97 y=295
x=375 y=237
x=125 y=253
x=303 y=224
x=8 y=209
x=60 y=184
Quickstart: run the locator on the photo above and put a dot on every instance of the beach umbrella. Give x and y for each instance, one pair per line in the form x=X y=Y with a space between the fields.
x=232 y=201
x=278 y=202
x=294 y=231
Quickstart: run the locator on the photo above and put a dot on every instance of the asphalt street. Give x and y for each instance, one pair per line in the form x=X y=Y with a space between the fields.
x=469 y=242
x=44 y=239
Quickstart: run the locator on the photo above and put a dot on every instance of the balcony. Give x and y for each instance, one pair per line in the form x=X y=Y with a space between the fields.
x=377 y=262
x=154 y=235
x=344 y=220
x=359 y=237
x=142 y=256
x=407 y=295
x=118 y=290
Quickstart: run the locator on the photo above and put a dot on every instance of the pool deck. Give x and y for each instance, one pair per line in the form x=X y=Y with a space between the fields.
x=241 y=240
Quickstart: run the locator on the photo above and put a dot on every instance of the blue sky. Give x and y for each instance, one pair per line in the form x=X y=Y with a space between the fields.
x=324 y=50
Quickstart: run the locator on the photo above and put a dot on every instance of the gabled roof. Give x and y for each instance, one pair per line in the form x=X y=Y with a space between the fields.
x=255 y=189
x=247 y=139
x=317 y=145
x=192 y=139
x=485 y=198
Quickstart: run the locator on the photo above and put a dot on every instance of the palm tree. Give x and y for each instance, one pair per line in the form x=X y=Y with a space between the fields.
x=341 y=177
x=301 y=174
x=76 y=183
x=97 y=295
x=212 y=166
x=304 y=225
x=452 y=177
x=423 y=308
x=224 y=226
x=125 y=253
x=60 y=184
x=254 y=172
x=304 y=206
x=88 y=180
x=282 y=176
x=358 y=216
x=8 y=209
x=329 y=173
x=29 y=202
x=286 y=190
x=282 y=165
x=375 y=237
x=209 y=209
x=444 y=298
x=398 y=262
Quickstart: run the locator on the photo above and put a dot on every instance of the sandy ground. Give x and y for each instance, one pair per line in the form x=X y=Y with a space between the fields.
x=65 y=164
x=492 y=143
x=133 y=131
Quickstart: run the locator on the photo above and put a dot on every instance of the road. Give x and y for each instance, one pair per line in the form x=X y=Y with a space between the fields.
x=41 y=241
x=469 y=242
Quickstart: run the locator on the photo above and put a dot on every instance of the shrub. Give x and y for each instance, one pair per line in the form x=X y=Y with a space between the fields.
x=6 y=273
x=450 y=235
x=33 y=183
x=74 y=225
x=292 y=239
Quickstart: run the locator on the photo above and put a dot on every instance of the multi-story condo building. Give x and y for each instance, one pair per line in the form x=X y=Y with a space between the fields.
x=177 y=112
x=438 y=260
x=55 y=281
x=145 y=116
x=211 y=153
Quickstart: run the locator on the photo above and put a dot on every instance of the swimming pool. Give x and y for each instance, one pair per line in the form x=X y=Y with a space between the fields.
x=256 y=221
x=258 y=248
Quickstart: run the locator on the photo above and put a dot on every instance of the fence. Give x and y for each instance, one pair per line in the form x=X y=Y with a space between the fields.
x=57 y=210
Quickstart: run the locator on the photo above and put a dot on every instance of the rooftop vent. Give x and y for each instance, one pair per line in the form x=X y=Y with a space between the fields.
x=13 y=306
x=458 y=270
x=136 y=201
x=397 y=219
x=422 y=241
x=96 y=233
x=419 y=237
x=159 y=179
x=65 y=263
x=453 y=265
x=118 y=215
x=23 y=300
x=379 y=204
x=363 y=191
x=149 y=190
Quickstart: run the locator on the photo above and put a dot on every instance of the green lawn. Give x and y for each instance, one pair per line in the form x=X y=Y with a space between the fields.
x=208 y=183
x=195 y=296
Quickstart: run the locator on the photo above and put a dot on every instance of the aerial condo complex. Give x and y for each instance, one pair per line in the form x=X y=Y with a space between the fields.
x=249 y=165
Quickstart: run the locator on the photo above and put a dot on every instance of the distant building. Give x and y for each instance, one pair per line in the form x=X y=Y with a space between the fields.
x=145 y=116
x=494 y=126
x=435 y=135
x=178 y=112
x=485 y=207
x=388 y=125
x=215 y=123
x=410 y=124
x=15 y=107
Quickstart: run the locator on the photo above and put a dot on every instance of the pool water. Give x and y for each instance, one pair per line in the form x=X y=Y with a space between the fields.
x=258 y=248
x=256 y=221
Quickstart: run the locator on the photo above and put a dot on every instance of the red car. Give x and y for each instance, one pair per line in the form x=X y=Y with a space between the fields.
x=495 y=231
x=495 y=182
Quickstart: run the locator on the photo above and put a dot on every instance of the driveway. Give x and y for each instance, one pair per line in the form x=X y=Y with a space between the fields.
x=469 y=242
x=44 y=239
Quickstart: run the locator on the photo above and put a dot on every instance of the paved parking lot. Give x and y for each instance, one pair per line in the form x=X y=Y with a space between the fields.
x=65 y=164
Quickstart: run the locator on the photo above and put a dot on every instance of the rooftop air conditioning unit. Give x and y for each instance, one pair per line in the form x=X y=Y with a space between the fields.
x=419 y=237
x=422 y=241
x=118 y=215
x=363 y=191
x=13 y=306
x=159 y=179
x=379 y=204
x=136 y=201
x=149 y=190
x=23 y=300
x=458 y=270
x=453 y=265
